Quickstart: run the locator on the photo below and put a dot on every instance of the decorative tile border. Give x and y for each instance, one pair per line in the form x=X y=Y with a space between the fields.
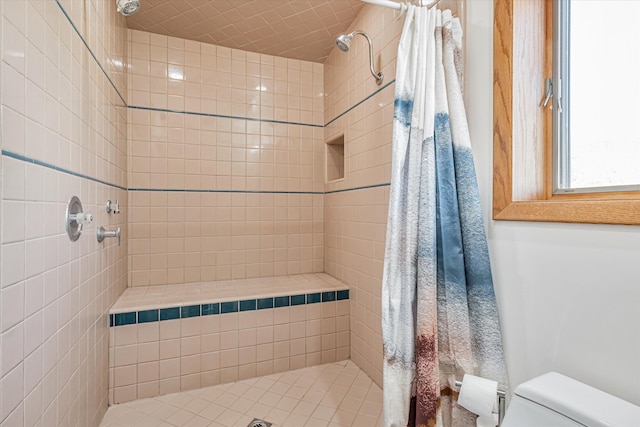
x=182 y=312
x=357 y=104
x=223 y=116
x=186 y=190
x=57 y=168
x=79 y=175
x=365 y=187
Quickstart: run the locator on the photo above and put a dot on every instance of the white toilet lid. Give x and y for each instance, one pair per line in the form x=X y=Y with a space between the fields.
x=580 y=402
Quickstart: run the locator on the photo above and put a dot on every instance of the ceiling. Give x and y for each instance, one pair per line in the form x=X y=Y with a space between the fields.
x=299 y=29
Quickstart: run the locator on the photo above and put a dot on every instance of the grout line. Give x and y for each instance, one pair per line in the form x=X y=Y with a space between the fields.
x=57 y=168
x=225 y=191
x=364 y=187
x=360 y=102
x=223 y=116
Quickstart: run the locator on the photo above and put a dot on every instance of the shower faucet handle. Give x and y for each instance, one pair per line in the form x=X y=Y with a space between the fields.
x=103 y=234
x=81 y=218
x=113 y=207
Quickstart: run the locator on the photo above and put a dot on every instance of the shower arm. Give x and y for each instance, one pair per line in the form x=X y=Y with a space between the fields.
x=379 y=76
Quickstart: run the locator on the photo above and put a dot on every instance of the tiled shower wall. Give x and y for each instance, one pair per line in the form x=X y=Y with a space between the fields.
x=63 y=134
x=356 y=207
x=225 y=163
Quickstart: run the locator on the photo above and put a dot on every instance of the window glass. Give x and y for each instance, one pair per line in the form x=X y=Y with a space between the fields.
x=601 y=144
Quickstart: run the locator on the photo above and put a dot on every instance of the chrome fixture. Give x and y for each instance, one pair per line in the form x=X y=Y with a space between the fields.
x=76 y=218
x=113 y=207
x=259 y=423
x=103 y=234
x=344 y=43
x=128 y=7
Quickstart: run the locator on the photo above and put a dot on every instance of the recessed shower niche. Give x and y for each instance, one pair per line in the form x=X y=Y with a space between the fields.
x=334 y=158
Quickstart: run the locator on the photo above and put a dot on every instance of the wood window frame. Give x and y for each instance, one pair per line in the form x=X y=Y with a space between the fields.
x=522 y=138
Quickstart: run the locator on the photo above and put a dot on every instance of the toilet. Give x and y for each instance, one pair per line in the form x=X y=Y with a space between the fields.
x=554 y=400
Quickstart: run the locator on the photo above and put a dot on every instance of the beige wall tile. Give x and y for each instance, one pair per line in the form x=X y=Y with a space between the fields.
x=355 y=221
x=210 y=361
x=229 y=340
x=149 y=371
x=43 y=80
x=210 y=378
x=148 y=352
x=178 y=151
x=169 y=348
x=148 y=389
x=190 y=365
x=176 y=238
x=169 y=385
x=169 y=368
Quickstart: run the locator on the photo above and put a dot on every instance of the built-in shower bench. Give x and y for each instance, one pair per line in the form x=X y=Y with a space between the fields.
x=168 y=338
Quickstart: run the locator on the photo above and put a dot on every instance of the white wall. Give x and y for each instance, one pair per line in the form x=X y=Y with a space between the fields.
x=568 y=294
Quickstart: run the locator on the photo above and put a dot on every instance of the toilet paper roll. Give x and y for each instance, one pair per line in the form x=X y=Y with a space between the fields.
x=491 y=421
x=478 y=395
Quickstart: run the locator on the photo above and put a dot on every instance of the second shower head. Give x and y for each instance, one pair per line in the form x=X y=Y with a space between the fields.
x=128 y=7
x=343 y=42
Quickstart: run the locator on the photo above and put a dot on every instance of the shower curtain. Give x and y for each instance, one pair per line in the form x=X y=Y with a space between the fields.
x=439 y=314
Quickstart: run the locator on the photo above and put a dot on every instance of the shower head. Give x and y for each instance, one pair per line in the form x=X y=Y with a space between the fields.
x=128 y=7
x=344 y=43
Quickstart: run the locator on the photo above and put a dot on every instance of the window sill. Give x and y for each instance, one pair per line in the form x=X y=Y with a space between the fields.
x=581 y=211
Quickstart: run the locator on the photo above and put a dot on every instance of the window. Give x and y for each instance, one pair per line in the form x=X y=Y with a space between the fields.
x=596 y=61
x=523 y=155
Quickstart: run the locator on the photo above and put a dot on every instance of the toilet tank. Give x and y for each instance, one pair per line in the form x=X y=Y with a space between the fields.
x=553 y=400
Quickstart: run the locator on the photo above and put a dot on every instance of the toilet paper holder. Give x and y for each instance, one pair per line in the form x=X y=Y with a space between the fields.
x=502 y=396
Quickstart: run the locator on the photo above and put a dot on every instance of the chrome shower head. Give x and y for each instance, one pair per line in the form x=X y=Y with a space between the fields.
x=344 y=43
x=128 y=7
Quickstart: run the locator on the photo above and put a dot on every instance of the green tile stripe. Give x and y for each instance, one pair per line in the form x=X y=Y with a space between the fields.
x=214 y=308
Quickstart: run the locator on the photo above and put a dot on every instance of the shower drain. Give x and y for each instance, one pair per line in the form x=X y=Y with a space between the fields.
x=259 y=423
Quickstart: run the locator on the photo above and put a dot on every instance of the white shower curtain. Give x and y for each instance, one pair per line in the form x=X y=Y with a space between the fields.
x=439 y=315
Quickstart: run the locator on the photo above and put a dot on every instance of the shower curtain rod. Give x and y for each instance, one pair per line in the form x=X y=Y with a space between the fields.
x=402 y=7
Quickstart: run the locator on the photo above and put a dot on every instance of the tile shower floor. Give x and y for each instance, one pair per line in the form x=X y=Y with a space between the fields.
x=332 y=395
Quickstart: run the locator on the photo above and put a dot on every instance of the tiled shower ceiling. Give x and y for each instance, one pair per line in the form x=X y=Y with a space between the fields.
x=299 y=29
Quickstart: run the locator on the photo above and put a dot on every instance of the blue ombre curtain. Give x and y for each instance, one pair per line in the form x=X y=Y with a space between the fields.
x=439 y=313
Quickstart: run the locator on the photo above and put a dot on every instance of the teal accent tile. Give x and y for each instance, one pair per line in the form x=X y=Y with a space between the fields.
x=209 y=309
x=247 y=305
x=281 y=301
x=328 y=296
x=190 y=311
x=125 y=319
x=147 y=316
x=344 y=294
x=169 y=313
x=229 y=307
x=313 y=298
x=264 y=303
x=297 y=299
x=111 y=320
